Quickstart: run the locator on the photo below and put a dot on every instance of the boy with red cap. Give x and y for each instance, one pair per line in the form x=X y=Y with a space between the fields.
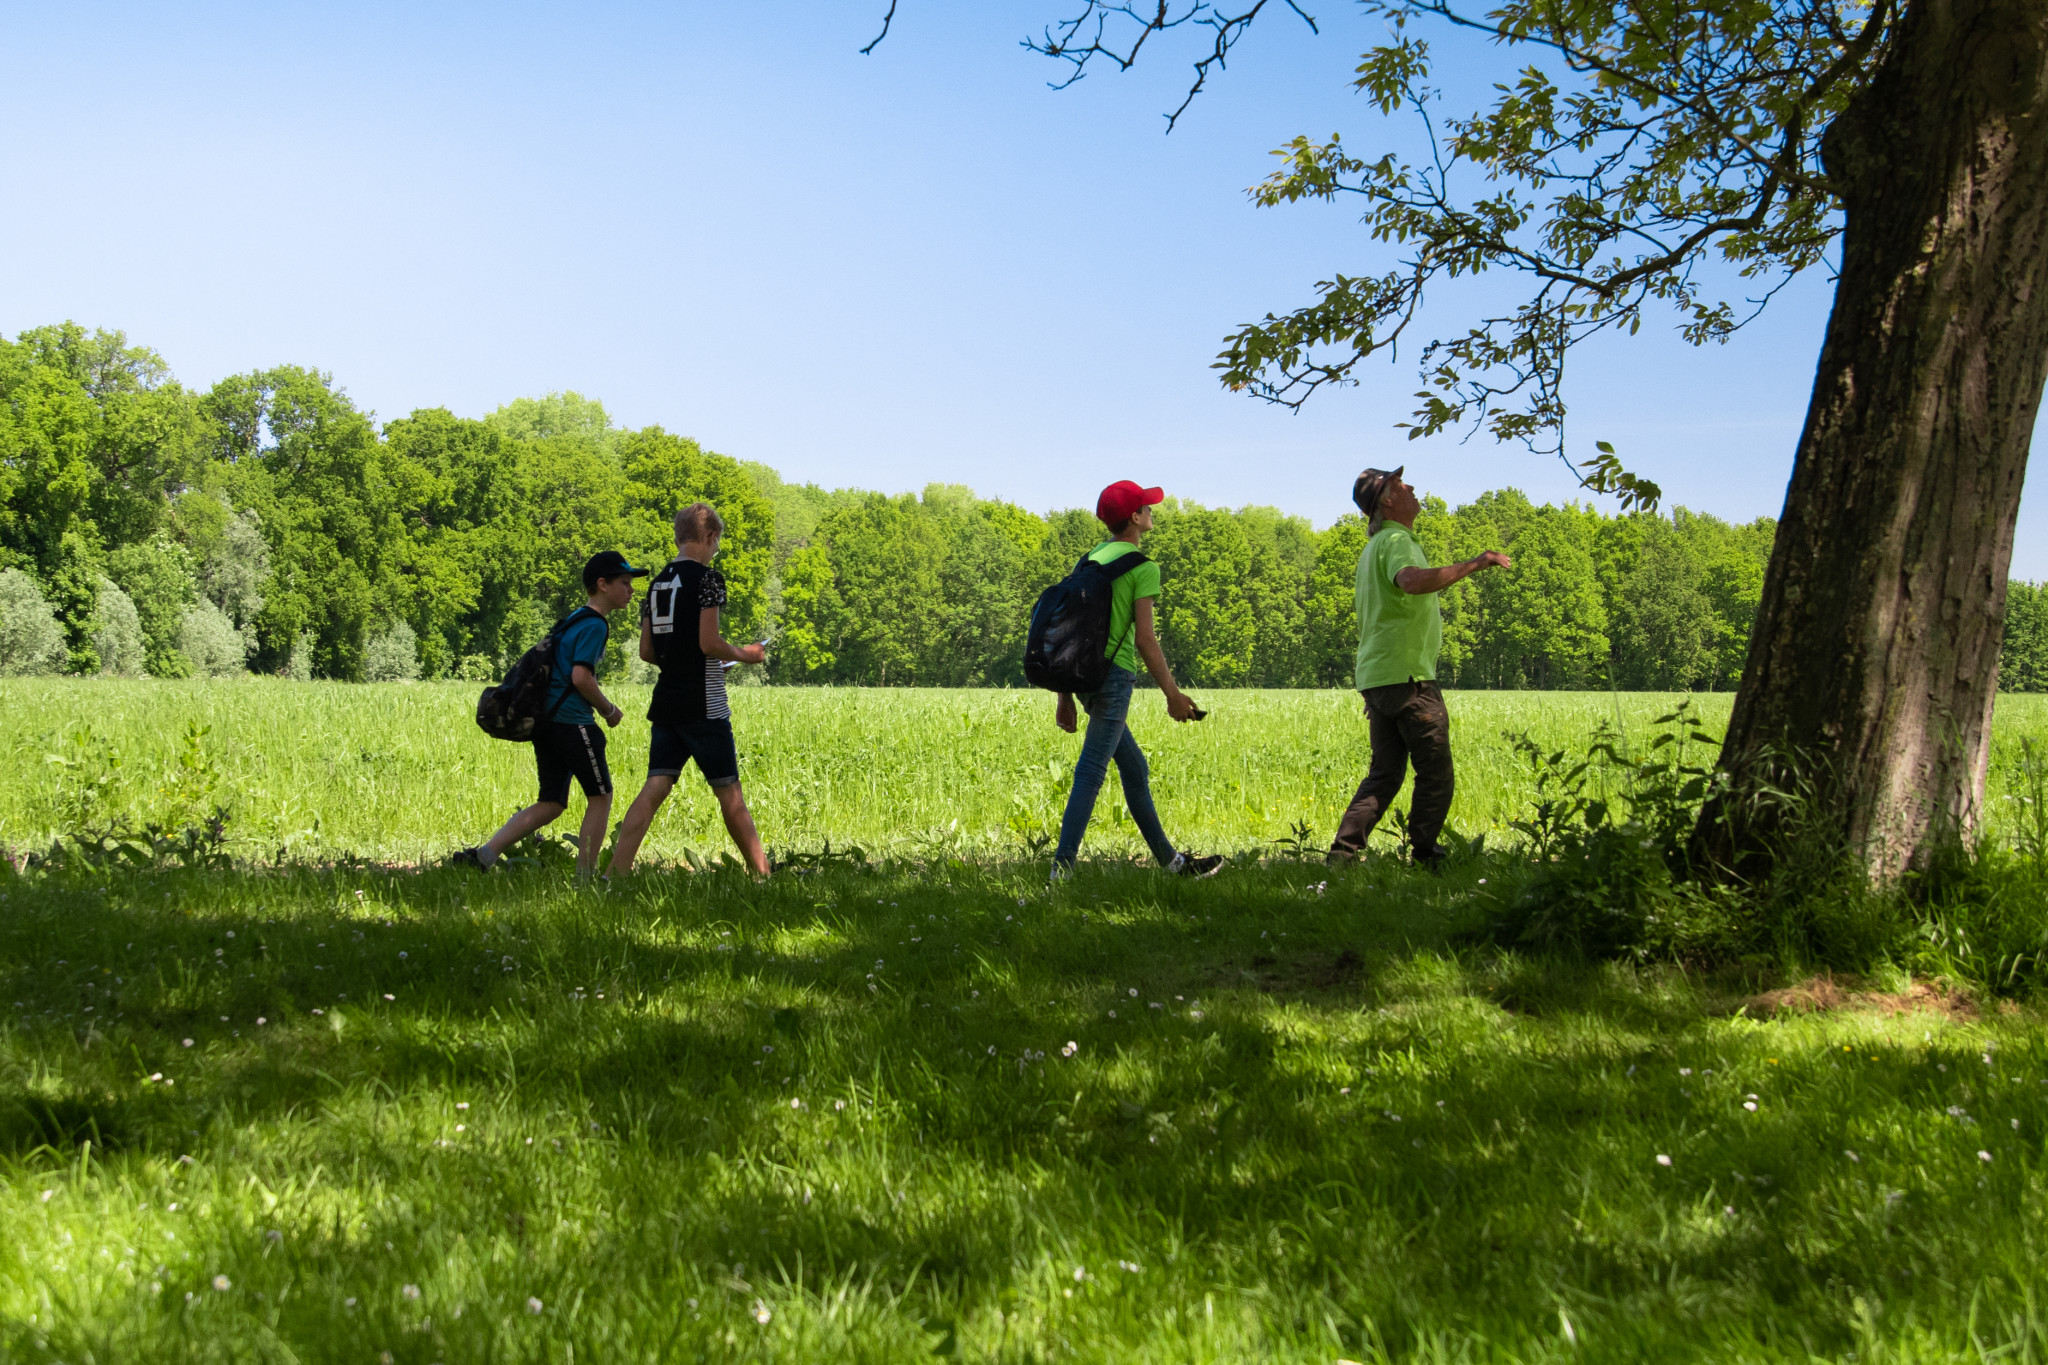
x=1126 y=509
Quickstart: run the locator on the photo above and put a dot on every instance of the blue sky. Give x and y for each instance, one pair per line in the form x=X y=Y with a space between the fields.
x=882 y=271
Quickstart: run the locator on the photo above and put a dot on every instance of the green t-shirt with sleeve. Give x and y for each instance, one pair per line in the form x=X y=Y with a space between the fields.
x=1399 y=633
x=1142 y=581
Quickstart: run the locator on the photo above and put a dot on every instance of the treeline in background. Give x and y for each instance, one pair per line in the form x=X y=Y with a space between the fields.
x=269 y=525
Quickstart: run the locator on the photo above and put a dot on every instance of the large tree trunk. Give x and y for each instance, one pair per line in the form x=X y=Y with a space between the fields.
x=1875 y=652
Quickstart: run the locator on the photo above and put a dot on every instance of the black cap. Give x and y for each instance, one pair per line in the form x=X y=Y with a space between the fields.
x=1368 y=487
x=609 y=564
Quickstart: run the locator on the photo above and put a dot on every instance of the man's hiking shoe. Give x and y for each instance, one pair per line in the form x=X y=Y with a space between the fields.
x=1431 y=859
x=469 y=857
x=1188 y=865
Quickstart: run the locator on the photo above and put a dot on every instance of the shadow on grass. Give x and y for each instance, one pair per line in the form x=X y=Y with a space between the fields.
x=1271 y=1071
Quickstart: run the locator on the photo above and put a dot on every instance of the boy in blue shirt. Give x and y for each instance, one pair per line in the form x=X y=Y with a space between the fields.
x=567 y=742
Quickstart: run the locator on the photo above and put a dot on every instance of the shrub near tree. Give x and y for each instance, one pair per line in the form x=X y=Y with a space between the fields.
x=31 y=640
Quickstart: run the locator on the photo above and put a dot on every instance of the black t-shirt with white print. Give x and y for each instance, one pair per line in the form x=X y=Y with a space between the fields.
x=692 y=684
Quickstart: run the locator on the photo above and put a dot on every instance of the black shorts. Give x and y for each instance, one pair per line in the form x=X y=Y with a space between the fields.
x=562 y=751
x=709 y=742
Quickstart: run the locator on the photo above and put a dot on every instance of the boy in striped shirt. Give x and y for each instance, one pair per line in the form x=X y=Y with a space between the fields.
x=691 y=717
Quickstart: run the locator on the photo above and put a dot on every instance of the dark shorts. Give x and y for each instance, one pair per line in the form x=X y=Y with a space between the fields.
x=562 y=751
x=709 y=742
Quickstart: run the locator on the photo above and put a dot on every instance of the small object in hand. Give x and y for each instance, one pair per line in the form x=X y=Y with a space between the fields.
x=1199 y=714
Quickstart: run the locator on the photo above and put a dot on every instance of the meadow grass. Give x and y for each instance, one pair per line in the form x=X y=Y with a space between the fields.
x=930 y=1106
x=400 y=771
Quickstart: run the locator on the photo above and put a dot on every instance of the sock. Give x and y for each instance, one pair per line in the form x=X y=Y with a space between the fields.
x=1180 y=860
x=486 y=857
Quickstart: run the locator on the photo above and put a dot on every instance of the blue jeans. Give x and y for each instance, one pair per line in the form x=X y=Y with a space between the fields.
x=1108 y=738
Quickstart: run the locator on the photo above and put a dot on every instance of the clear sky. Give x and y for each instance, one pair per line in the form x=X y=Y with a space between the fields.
x=881 y=271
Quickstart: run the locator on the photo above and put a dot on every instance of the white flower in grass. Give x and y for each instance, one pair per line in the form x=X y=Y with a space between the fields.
x=1852 y=1156
x=1750 y=1105
x=1134 y=992
x=222 y=1284
x=1983 y=1156
x=1070 y=1049
x=761 y=1313
x=796 y=1104
x=534 y=1305
x=839 y=1104
x=1080 y=1273
x=411 y=1291
x=1112 y=1014
x=991 y=1050
x=1663 y=1160
x=188 y=1042
x=1131 y=1266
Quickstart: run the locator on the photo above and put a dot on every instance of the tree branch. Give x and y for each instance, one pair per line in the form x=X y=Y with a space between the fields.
x=887 y=20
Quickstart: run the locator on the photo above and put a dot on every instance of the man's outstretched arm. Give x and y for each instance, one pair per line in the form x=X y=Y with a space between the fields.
x=1415 y=581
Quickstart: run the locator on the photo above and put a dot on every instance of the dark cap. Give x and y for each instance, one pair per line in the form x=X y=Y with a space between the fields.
x=1366 y=491
x=609 y=564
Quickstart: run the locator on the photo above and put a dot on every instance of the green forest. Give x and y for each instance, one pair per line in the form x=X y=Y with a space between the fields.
x=270 y=525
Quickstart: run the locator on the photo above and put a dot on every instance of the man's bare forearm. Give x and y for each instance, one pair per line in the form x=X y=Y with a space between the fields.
x=1416 y=582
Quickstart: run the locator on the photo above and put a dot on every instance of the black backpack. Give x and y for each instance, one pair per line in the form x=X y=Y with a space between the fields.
x=515 y=706
x=1067 y=649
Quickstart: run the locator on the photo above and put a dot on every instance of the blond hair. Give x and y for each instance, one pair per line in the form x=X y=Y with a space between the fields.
x=697 y=523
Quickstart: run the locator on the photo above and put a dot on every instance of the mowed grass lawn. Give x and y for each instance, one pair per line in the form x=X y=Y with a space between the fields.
x=345 y=1111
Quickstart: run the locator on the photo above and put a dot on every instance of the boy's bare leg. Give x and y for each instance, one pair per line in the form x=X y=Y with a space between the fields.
x=597 y=818
x=639 y=816
x=535 y=816
x=739 y=823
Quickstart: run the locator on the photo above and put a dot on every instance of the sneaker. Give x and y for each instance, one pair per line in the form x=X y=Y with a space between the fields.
x=1431 y=859
x=1061 y=872
x=1189 y=865
x=469 y=857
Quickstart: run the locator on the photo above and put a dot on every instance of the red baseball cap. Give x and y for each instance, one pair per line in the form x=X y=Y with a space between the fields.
x=1121 y=500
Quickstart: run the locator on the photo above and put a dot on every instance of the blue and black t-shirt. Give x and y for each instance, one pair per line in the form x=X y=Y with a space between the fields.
x=583 y=641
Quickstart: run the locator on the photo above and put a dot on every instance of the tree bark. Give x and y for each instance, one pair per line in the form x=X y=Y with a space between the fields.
x=1874 y=660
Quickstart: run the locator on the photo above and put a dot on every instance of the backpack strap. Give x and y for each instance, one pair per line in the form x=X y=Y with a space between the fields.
x=555 y=652
x=1116 y=569
x=1123 y=564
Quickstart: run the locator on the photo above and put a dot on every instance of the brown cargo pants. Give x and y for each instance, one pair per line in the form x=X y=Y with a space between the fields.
x=1409 y=724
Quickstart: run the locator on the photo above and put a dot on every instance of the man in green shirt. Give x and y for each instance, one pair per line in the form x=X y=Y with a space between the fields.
x=1400 y=628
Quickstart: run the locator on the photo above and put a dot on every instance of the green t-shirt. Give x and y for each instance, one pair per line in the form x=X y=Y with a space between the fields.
x=1142 y=581
x=1399 y=633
